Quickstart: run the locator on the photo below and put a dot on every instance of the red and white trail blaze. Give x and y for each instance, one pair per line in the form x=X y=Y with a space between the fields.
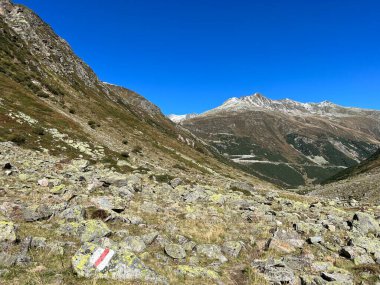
x=101 y=258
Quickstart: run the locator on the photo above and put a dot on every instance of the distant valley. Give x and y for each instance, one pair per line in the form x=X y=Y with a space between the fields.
x=287 y=142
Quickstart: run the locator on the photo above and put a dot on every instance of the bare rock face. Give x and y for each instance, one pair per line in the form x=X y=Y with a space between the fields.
x=53 y=51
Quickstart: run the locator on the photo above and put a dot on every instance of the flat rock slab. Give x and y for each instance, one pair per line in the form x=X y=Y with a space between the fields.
x=113 y=263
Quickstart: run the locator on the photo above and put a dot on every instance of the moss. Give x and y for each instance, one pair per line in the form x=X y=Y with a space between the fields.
x=197 y=272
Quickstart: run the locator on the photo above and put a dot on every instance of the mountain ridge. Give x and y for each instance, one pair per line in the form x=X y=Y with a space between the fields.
x=258 y=101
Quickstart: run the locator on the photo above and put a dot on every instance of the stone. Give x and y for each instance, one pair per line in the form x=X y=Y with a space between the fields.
x=312 y=280
x=189 y=245
x=377 y=257
x=176 y=182
x=134 y=243
x=175 y=251
x=7 y=232
x=320 y=266
x=363 y=259
x=315 y=240
x=211 y=251
x=351 y=252
x=370 y=245
x=119 y=264
x=58 y=190
x=232 y=248
x=7 y=260
x=339 y=276
x=150 y=237
x=73 y=214
x=88 y=230
x=276 y=272
x=44 y=182
x=41 y=212
x=110 y=203
x=365 y=223
x=195 y=194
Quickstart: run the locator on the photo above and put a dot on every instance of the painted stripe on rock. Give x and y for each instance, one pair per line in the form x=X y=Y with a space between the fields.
x=101 y=258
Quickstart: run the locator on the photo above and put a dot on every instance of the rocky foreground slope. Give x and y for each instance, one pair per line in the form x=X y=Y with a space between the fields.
x=67 y=221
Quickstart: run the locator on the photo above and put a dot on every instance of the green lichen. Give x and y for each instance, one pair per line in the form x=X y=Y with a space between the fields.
x=197 y=272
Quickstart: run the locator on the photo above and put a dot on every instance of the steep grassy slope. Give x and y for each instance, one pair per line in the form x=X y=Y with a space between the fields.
x=51 y=100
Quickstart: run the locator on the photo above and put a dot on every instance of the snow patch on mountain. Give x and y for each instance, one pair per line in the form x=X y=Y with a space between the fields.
x=179 y=118
x=257 y=102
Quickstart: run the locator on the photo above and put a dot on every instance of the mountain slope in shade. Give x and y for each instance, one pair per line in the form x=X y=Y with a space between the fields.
x=361 y=182
x=288 y=142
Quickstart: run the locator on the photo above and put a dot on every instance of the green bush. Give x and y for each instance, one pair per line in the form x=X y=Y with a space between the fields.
x=125 y=141
x=39 y=131
x=163 y=178
x=18 y=139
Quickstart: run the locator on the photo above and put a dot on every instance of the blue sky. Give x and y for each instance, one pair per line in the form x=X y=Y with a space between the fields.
x=191 y=55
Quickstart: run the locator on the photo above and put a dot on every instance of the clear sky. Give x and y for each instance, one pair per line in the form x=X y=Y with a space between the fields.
x=191 y=55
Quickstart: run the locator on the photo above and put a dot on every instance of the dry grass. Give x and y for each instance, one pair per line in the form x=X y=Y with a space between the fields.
x=203 y=232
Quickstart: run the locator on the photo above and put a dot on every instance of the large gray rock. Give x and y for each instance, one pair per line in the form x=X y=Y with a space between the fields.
x=338 y=276
x=88 y=230
x=109 y=203
x=232 y=248
x=276 y=272
x=113 y=263
x=195 y=194
x=211 y=251
x=73 y=214
x=175 y=251
x=365 y=223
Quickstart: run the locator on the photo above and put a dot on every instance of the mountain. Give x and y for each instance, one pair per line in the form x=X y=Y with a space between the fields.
x=287 y=142
x=361 y=182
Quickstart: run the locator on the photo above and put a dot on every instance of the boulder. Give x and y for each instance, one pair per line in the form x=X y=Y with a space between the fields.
x=232 y=248
x=276 y=272
x=175 y=251
x=338 y=276
x=7 y=232
x=109 y=203
x=211 y=251
x=176 y=182
x=73 y=214
x=365 y=223
x=112 y=263
x=315 y=240
x=88 y=230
